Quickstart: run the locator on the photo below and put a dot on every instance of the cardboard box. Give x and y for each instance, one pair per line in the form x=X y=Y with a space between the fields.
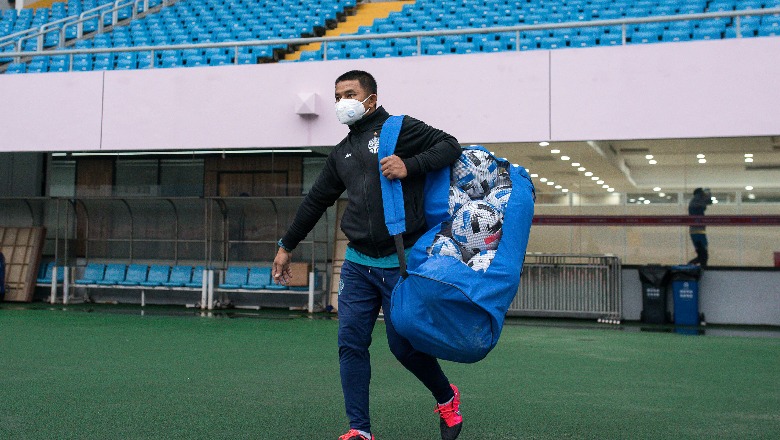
x=300 y=274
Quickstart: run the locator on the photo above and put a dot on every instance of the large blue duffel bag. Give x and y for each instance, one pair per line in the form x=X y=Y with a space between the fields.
x=441 y=305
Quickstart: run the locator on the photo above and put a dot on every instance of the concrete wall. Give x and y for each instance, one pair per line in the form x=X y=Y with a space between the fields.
x=693 y=89
x=725 y=296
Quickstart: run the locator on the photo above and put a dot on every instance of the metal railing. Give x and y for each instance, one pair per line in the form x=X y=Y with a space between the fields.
x=574 y=286
x=417 y=34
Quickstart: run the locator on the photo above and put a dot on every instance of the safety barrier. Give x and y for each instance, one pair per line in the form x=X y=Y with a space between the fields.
x=576 y=286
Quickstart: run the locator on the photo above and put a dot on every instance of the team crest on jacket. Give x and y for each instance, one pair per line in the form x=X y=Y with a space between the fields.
x=373 y=145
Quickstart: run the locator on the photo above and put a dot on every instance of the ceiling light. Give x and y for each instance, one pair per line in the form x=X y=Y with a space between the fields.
x=588 y=174
x=641 y=198
x=648 y=156
x=575 y=164
x=749 y=188
x=543 y=179
x=544 y=144
x=653 y=162
x=661 y=194
x=700 y=156
x=558 y=187
x=594 y=178
x=551 y=183
x=534 y=175
x=581 y=169
x=565 y=190
x=702 y=160
x=748 y=154
x=605 y=186
x=555 y=151
x=599 y=182
x=715 y=201
x=631 y=200
x=565 y=158
x=748 y=159
x=751 y=196
x=657 y=188
x=610 y=189
x=646 y=202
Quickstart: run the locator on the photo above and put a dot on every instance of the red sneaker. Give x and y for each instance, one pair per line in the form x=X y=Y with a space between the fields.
x=354 y=434
x=451 y=421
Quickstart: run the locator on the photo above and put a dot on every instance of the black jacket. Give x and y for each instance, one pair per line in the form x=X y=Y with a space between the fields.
x=353 y=165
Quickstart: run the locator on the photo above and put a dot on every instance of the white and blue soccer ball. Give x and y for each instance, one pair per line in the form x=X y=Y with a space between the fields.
x=503 y=177
x=443 y=245
x=458 y=198
x=475 y=172
x=477 y=227
x=481 y=261
x=499 y=197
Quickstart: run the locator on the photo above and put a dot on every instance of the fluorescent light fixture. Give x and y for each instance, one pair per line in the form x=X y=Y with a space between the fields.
x=657 y=188
x=534 y=175
x=599 y=182
x=748 y=159
x=543 y=179
x=565 y=158
x=594 y=178
x=59 y=154
x=575 y=164
x=558 y=187
x=641 y=198
x=715 y=201
x=631 y=200
x=581 y=169
x=751 y=196
x=646 y=202
x=555 y=151
x=653 y=162
x=748 y=154
x=749 y=188
x=661 y=194
x=702 y=160
x=648 y=156
x=551 y=183
x=610 y=189
x=700 y=156
x=605 y=186
x=543 y=144
x=564 y=190
x=588 y=174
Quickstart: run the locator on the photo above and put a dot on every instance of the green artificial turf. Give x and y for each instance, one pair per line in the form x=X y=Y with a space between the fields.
x=78 y=375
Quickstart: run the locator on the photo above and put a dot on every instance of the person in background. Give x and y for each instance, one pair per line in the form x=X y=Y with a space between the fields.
x=701 y=198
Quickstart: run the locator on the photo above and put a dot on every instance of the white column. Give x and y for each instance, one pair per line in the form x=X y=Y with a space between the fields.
x=65 y=284
x=53 y=282
x=311 y=292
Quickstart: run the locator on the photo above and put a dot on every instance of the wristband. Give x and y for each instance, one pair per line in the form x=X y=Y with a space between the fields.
x=281 y=245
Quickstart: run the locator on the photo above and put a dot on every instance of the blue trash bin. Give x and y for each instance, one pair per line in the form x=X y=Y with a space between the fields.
x=685 y=289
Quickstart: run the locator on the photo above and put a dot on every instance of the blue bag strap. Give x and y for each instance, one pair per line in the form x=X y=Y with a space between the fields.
x=392 y=192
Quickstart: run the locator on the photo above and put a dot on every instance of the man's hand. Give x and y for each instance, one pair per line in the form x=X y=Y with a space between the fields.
x=393 y=167
x=281 y=268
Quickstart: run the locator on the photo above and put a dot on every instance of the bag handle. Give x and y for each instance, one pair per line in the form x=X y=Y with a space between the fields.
x=392 y=192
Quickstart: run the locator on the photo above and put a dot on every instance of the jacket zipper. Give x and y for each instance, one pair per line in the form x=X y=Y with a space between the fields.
x=366 y=199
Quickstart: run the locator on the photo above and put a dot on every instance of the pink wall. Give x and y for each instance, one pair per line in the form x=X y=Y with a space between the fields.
x=720 y=88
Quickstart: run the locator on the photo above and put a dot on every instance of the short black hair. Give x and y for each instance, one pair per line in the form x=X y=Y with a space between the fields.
x=698 y=191
x=365 y=79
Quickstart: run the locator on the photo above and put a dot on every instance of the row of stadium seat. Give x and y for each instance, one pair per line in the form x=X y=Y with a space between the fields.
x=46 y=272
x=251 y=278
x=121 y=275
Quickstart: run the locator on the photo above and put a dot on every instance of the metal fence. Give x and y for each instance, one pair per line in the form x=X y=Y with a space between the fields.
x=576 y=286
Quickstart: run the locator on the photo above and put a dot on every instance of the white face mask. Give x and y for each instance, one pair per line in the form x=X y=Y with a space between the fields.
x=350 y=111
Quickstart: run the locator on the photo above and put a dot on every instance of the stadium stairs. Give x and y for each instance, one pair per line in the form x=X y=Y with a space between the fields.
x=365 y=15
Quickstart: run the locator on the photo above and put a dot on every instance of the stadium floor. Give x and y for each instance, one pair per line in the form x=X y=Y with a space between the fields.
x=111 y=373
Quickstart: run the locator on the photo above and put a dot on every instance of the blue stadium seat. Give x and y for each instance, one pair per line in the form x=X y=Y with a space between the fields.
x=114 y=274
x=769 y=31
x=179 y=277
x=434 y=49
x=235 y=277
x=408 y=50
x=135 y=275
x=610 y=40
x=709 y=33
x=583 y=41
x=492 y=46
x=158 y=274
x=552 y=43
x=644 y=37
x=384 y=52
x=670 y=35
x=259 y=278
x=359 y=53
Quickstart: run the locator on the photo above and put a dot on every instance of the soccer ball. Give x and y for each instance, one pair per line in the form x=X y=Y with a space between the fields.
x=477 y=227
x=499 y=197
x=481 y=261
x=475 y=172
x=503 y=177
x=458 y=198
x=443 y=245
